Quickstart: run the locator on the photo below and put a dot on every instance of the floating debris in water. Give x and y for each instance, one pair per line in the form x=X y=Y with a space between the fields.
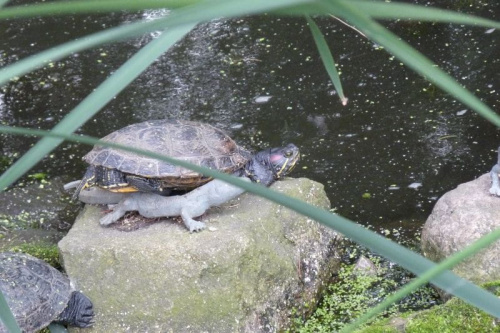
x=262 y=99
x=236 y=126
x=461 y=112
x=393 y=187
x=489 y=31
x=415 y=186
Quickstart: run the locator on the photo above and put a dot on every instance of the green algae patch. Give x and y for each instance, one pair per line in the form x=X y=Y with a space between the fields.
x=44 y=251
x=455 y=316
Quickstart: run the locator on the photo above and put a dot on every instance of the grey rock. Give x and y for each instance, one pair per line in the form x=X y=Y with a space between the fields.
x=458 y=219
x=260 y=261
x=365 y=266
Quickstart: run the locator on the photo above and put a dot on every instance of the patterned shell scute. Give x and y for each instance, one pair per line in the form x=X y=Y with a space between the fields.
x=35 y=292
x=194 y=142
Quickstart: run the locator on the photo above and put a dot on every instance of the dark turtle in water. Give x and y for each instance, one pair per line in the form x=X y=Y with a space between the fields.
x=38 y=294
x=198 y=143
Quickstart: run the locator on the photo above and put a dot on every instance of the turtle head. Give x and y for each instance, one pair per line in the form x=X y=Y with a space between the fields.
x=271 y=164
x=283 y=159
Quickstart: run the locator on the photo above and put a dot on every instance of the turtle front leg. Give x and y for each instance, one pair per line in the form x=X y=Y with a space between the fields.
x=147 y=185
x=495 y=183
x=125 y=205
x=88 y=180
x=191 y=224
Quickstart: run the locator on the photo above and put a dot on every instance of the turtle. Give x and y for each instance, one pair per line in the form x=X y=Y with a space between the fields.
x=195 y=142
x=494 y=175
x=39 y=294
x=264 y=167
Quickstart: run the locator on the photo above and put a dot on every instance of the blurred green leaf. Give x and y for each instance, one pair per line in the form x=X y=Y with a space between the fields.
x=412 y=261
x=188 y=15
x=409 y=56
x=95 y=101
x=93 y=6
x=6 y=316
x=405 y=11
x=447 y=263
x=327 y=58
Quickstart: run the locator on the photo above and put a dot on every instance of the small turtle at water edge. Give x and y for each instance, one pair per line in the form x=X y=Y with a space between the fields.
x=122 y=171
x=39 y=294
x=264 y=167
x=494 y=174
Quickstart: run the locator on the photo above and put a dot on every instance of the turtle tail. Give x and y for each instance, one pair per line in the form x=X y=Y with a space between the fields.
x=87 y=180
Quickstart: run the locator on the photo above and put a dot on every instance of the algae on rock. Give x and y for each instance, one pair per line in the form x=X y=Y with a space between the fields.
x=261 y=261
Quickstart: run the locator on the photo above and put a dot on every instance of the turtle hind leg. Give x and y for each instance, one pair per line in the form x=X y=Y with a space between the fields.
x=148 y=185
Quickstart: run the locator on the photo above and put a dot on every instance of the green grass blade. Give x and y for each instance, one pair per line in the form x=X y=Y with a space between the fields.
x=409 y=56
x=327 y=58
x=375 y=9
x=85 y=7
x=192 y=14
x=95 y=101
x=3 y=3
x=404 y=11
x=412 y=261
x=7 y=317
x=395 y=10
x=448 y=263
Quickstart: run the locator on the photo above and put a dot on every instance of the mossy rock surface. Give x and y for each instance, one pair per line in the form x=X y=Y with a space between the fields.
x=455 y=316
x=261 y=261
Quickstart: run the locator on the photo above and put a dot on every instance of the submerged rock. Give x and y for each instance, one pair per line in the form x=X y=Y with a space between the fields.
x=260 y=261
x=459 y=218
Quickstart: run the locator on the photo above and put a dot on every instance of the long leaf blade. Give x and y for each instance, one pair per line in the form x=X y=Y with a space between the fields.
x=95 y=101
x=7 y=317
x=85 y=7
x=412 y=261
x=410 y=57
x=382 y=10
x=188 y=15
x=327 y=58
x=448 y=263
x=405 y=11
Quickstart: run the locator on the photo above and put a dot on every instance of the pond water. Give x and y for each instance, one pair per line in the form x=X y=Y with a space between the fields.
x=396 y=130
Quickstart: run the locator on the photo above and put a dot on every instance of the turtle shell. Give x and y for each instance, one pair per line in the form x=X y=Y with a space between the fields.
x=35 y=291
x=197 y=143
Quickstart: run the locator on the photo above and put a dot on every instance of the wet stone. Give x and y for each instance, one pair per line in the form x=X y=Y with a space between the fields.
x=255 y=263
x=459 y=218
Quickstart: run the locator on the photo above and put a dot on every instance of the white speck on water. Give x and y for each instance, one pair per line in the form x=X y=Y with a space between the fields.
x=415 y=185
x=489 y=31
x=262 y=99
x=236 y=126
x=461 y=112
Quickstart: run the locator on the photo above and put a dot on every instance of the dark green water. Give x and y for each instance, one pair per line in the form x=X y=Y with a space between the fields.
x=397 y=128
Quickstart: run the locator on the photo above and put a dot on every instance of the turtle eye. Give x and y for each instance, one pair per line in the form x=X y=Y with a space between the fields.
x=288 y=153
